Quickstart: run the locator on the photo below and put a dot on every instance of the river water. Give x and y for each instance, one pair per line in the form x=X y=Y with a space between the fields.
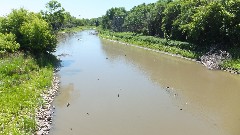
x=109 y=88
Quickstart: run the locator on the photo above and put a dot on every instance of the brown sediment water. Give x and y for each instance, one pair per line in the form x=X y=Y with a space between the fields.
x=109 y=88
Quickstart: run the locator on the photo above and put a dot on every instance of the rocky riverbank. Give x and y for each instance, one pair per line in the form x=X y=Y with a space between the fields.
x=44 y=114
x=213 y=59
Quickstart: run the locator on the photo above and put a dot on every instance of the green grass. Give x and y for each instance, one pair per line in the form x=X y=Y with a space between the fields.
x=77 y=29
x=175 y=47
x=184 y=49
x=22 y=79
x=233 y=64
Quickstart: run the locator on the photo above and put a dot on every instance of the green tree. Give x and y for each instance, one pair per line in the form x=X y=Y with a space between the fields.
x=208 y=24
x=54 y=14
x=13 y=22
x=29 y=29
x=114 y=19
x=171 y=12
x=155 y=18
x=37 y=36
x=137 y=19
x=188 y=9
x=233 y=22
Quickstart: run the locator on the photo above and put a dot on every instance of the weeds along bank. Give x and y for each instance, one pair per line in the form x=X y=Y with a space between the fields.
x=171 y=25
x=23 y=79
x=184 y=49
x=27 y=67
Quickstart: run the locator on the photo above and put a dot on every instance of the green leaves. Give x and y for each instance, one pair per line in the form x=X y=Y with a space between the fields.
x=114 y=19
x=202 y=22
x=54 y=14
x=26 y=31
x=8 y=43
x=37 y=36
x=136 y=20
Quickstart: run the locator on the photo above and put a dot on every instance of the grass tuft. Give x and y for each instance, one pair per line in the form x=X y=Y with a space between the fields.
x=22 y=80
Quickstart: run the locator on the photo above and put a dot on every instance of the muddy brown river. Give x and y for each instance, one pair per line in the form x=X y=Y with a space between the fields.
x=109 y=88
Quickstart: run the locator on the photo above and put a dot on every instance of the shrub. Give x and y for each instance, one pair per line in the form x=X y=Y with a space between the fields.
x=32 y=32
x=13 y=22
x=37 y=36
x=8 y=43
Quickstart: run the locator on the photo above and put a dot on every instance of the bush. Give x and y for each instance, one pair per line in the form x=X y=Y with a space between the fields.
x=32 y=32
x=37 y=36
x=8 y=43
x=13 y=22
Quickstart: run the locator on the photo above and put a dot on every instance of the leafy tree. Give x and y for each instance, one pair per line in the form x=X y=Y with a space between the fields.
x=114 y=19
x=136 y=20
x=54 y=14
x=8 y=43
x=13 y=22
x=203 y=22
x=207 y=25
x=37 y=36
x=172 y=11
x=188 y=9
x=71 y=21
x=233 y=22
x=155 y=18
x=29 y=29
x=68 y=20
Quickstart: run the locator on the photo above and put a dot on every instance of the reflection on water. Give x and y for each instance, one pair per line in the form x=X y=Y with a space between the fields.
x=130 y=91
x=64 y=95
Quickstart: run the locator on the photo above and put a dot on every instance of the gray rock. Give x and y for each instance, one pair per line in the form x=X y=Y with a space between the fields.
x=44 y=113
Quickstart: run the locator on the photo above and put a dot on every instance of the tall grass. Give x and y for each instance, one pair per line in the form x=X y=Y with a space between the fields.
x=77 y=29
x=175 y=47
x=22 y=80
x=184 y=49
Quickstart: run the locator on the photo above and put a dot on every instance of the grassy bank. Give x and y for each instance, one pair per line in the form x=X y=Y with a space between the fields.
x=22 y=79
x=175 y=47
x=184 y=49
x=76 y=29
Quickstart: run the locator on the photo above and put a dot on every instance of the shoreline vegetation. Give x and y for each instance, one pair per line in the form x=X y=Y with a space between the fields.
x=171 y=47
x=76 y=29
x=205 y=30
x=24 y=80
x=28 y=80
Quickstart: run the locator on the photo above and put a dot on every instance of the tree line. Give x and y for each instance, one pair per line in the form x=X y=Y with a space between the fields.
x=202 y=22
x=35 y=32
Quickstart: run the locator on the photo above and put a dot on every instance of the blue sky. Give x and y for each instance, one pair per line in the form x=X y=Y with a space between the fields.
x=84 y=8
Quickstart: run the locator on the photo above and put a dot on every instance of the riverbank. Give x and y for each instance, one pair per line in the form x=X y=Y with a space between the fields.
x=76 y=29
x=175 y=48
x=44 y=115
x=24 y=80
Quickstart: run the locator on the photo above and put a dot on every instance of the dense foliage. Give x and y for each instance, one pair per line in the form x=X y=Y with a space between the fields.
x=54 y=14
x=8 y=43
x=203 y=22
x=32 y=32
x=35 y=32
x=27 y=40
x=37 y=36
x=114 y=19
